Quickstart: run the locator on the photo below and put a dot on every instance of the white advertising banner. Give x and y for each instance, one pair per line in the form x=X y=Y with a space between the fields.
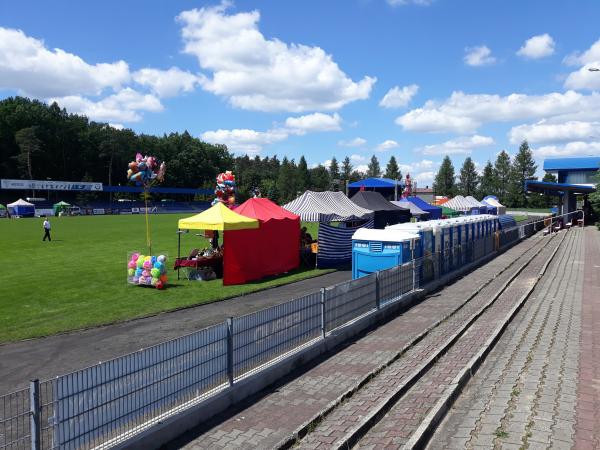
x=50 y=185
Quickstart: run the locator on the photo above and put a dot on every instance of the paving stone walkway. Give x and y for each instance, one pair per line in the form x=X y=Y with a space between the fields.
x=524 y=396
x=402 y=421
x=264 y=421
x=587 y=427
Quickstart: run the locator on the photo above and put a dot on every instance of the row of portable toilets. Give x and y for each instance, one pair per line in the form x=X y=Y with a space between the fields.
x=375 y=250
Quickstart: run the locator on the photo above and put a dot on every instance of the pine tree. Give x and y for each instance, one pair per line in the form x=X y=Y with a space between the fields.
x=502 y=177
x=392 y=170
x=29 y=145
x=487 y=182
x=346 y=169
x=303 y=175
x=468 y=178
x=373 y=169
x=334 y=169
x=320 y=178
x=523 y=169
x=444 y=183
x=284 y=187
x=545 y=201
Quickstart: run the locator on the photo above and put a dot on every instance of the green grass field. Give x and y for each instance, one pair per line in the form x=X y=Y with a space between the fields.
x=79 y=279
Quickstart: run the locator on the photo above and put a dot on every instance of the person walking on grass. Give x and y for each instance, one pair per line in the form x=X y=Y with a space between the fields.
x=47 y=230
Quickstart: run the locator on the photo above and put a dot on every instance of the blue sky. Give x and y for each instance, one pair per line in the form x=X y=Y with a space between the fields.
x=416 y=79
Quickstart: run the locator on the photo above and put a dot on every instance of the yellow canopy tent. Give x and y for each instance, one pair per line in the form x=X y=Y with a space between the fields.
x=218 y=217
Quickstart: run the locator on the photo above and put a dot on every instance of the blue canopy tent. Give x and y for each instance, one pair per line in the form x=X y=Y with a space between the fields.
x=21 y=208
x=385 y=186
x=435 y=212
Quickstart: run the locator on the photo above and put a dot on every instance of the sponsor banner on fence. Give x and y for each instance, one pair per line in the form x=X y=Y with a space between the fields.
x=50 y=185
x=98 y=211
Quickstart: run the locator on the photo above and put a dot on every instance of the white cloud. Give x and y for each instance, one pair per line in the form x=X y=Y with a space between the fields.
x=244 y=140
x=357 y=158
x=464 y=113
x=591 y=55
x=424 y=178
x=356 y=142
x=28 y=66
x=386 y=145
x=419 y=166
x=456 y=146
x=478 y=56
x=576 y=148
x=544 y=131
x=398 y=97
x=409 y=2
x=252 y=141
x=363 y=168
x=262 y=74
x=313 y=123
x=537 y=47
x=167 y=83
x=583 y=78
x=116 y=126
x=124 y=106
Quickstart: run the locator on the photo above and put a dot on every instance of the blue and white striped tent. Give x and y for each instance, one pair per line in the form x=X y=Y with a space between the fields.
x=335 y=244
x=327 y=206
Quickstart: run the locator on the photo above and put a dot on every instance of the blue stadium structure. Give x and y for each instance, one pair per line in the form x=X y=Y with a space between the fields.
x=575 y=176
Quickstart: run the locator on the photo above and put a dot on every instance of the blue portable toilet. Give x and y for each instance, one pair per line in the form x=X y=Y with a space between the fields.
x=425 y=232
x=443 y=238
x=374 y=250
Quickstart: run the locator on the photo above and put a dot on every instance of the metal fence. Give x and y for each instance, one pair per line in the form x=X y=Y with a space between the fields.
x=103 y=405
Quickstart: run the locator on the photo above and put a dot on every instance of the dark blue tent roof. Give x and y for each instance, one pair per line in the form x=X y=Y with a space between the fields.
x=376 y=183
x=435 y=212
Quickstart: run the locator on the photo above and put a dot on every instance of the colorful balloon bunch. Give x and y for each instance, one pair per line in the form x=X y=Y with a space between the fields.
x=225 y=191
x=147 y=270
x=146 y=170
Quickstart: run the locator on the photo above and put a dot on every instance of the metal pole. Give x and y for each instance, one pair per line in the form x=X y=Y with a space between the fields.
x=35 y=414
x=412 y=255
x=323 y=319
x=230 y=350
x=377 y=292
x=178 y=249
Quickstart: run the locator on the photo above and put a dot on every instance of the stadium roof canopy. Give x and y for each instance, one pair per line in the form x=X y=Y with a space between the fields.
x=550 y=188
x=585 y=163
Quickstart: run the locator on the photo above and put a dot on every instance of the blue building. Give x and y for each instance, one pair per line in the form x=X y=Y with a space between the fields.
x=575 y=176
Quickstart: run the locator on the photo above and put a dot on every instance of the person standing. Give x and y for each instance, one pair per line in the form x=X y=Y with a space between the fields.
x=47 y=230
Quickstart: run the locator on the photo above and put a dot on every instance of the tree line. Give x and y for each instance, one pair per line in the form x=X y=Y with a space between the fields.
x=45 y=142
x=505 y=179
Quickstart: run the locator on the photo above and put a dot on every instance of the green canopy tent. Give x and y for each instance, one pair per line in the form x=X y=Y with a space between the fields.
x=3 y=211
x=60 y=206
x=449 y=212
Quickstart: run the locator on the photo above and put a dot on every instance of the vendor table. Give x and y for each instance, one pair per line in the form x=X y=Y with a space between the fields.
x=215 y=262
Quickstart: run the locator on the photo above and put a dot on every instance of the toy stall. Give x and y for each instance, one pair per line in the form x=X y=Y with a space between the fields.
x=201 y=264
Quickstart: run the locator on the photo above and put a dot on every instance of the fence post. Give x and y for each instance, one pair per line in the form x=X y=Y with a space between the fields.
x=377 y=291
x=35 y=414
x=230 y=350
x=323 y=321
